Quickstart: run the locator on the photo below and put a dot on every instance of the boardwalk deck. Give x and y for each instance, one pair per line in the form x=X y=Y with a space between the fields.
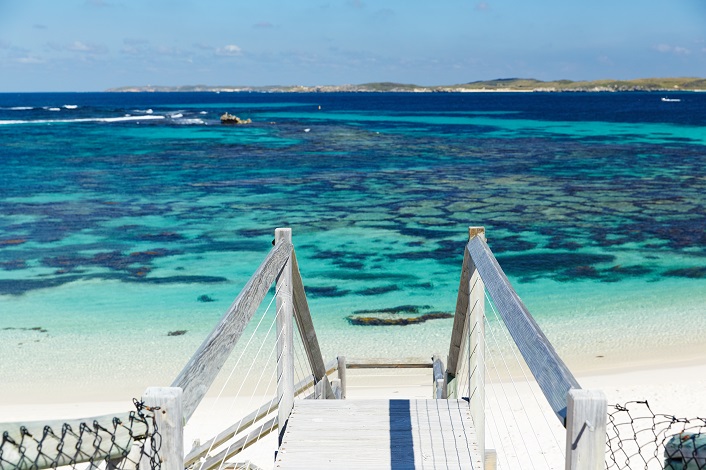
x=379 y=434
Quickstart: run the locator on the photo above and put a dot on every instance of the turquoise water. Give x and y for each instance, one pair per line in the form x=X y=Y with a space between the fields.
x=116 y=230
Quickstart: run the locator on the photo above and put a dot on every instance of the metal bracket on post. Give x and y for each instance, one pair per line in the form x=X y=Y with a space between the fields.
x=586 y=416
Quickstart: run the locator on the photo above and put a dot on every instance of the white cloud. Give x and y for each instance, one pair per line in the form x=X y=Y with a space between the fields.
x=202 y=46
x=29 y=60
x=130 y=50
x=668 y=49
x=167 y=50
x=229 y=50
x=79 y=46
x=134 y=46
x=604 y=59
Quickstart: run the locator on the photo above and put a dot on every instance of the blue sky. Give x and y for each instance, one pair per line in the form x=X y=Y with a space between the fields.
x=91 y=45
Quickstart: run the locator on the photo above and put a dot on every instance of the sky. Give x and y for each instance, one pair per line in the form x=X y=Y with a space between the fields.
x=93 y=45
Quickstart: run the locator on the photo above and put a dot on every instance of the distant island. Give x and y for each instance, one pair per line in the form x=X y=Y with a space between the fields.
x=499 y=85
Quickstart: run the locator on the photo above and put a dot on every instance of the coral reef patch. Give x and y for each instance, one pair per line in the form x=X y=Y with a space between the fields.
x=400 y=315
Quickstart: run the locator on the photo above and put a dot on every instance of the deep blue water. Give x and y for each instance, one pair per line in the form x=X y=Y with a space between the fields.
x=141 y=208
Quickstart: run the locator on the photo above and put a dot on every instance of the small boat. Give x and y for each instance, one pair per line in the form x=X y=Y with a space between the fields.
x=228 y=118
x=671 y=100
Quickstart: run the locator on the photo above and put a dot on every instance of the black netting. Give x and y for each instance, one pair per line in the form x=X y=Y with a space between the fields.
x=638 y=438
x=111 y=444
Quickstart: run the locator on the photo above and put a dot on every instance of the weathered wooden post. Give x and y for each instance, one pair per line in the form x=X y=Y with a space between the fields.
x=476 y=347
x=285 y=334
x=459 y=331
x=586 y=415
x=469 y=331
x=437 y=377
x=342 y=375
x=170 y=424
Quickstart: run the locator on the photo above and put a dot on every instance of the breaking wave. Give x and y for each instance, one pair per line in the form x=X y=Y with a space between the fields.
x=115 y=119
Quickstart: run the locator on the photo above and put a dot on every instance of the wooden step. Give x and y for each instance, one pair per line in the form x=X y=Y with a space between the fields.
x=379 y=434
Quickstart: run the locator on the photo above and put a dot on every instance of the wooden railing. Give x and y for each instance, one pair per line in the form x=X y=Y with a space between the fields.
x=582 y=412
x=279 y=267
x=177 y=403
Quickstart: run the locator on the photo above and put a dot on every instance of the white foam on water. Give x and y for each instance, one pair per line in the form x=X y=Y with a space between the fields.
x=176 y=116
x=116 y=119
x=127 y=118
x=190 y=121
x=19 y=108
x=53 y=109
x=70 y=106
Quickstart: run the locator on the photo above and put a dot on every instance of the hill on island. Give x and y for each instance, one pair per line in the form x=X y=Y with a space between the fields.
x=501 y=84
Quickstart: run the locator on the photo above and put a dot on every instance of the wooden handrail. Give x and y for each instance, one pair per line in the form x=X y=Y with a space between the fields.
x=459 y=332
x=203 y=367
x=381 y=363
x=302 y=315
x=553 y=376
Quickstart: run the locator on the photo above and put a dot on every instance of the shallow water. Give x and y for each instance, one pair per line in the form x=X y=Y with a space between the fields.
x=116 y=230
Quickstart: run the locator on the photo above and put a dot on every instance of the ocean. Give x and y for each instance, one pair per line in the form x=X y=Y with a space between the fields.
x=130 y=221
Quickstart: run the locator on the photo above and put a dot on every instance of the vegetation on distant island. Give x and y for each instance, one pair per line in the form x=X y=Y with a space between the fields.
x=502 y=84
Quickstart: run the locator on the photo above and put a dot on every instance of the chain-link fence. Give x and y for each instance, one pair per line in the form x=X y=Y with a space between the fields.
x=638 y=438
x=131 y=441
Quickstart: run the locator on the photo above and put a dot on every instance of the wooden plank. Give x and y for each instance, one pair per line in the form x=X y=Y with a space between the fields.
x=476 y=361
x=203 y=367
x=302 y=315
x=381 y=363
x=375 y=434
x=553 y=376
x=169 y=418
x=285 y=333
x=105 y=438
x=458 y=331
x=586 y=430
